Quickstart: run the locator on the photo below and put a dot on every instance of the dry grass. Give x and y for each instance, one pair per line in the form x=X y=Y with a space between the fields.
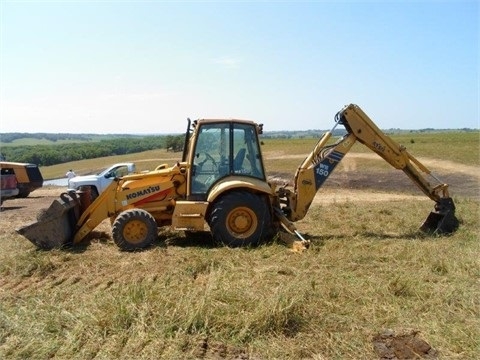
x=368 y=269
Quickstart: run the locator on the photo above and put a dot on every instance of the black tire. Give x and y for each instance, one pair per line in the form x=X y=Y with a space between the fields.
x=93 y=193
x=23 y=193
x=240 y=218
x=134 y=229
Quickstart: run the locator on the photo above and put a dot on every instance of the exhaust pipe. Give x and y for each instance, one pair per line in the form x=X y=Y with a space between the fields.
x=442 y=220
x=55 y=226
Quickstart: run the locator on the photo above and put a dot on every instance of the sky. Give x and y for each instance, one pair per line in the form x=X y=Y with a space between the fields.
x=144 y=67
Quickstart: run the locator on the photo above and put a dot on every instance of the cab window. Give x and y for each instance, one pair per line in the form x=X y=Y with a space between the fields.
x=224 y=149
x=246 y=153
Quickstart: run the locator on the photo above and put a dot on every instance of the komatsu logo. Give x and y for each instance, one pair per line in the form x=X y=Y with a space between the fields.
x=150 y=190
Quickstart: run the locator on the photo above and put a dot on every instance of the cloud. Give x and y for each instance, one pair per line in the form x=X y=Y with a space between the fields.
x=228 y=62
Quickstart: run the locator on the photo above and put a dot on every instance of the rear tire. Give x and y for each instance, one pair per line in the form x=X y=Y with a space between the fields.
x=134 y=229
x=239 y=219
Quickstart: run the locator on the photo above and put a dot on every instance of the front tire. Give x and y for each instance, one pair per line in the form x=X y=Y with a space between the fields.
x=134 y=229
x=239 y=219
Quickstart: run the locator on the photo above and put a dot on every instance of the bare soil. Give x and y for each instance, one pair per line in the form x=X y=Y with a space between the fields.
x=407 y=345
x=353 y=182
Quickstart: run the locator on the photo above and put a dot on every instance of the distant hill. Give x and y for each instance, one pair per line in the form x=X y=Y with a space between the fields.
x=315 y=133
x=50 y=149
x=26 y=139
x=17 y=138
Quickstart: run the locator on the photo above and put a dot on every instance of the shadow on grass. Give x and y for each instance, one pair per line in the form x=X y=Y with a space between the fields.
x=409 y=235
x=95 y=236
x=418 y=235
x=9 y=208
x=189 y=239
x=203 y=240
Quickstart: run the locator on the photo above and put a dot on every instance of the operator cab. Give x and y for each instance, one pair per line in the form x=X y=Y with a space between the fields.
x=223 y=148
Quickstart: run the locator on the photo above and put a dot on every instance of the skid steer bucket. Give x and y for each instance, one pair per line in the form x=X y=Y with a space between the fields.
x=55 y=226
x=442 y=219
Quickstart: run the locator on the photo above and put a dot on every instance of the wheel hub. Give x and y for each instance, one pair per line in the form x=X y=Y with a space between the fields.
x=135 y=231
x=242 y=222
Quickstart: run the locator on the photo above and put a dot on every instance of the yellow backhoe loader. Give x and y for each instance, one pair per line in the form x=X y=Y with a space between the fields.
x=220 y=186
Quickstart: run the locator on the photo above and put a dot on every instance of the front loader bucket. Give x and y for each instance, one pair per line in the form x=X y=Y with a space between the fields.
x=55 y=226
x=442 y=219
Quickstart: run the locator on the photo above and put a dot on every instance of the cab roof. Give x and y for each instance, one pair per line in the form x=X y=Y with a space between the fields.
x=229 y=120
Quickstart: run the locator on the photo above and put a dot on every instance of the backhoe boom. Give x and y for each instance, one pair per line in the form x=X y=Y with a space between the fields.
x=323 y=159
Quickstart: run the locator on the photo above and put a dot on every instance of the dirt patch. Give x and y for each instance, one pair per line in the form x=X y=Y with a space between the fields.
x=463 y=180
x=408 y=345
x=349 y=163
x=19 y=212
x=379 y=185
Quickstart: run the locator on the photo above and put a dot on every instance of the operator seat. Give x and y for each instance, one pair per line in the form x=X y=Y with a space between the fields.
x=238 y=161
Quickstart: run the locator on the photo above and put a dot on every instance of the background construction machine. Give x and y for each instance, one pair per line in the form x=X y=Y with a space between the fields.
x=29 y=177
x=220 y=186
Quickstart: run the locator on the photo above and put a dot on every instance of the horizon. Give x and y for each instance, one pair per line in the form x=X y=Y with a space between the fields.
x=264 y=132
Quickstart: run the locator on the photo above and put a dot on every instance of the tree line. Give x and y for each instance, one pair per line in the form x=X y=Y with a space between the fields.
x=8 y=138
x=46 y=155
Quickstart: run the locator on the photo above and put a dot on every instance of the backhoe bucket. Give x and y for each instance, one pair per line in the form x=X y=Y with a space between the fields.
x=442 y=219
x=55 y=226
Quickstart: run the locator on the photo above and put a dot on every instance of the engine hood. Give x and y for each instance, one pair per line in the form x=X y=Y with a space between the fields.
x=80 y=180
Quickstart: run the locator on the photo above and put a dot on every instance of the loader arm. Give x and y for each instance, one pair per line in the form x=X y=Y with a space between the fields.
x=153 y=191
x=324 y=158
x=99 y=210
x=69 y=220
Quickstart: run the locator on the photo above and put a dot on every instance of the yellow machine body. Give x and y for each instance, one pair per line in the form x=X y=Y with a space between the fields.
x=220 y=186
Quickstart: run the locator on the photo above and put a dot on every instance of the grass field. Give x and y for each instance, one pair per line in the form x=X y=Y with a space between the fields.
x=368 y=273
x=463 y=148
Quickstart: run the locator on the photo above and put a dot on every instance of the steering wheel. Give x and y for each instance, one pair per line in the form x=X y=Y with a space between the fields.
x=208 y=157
